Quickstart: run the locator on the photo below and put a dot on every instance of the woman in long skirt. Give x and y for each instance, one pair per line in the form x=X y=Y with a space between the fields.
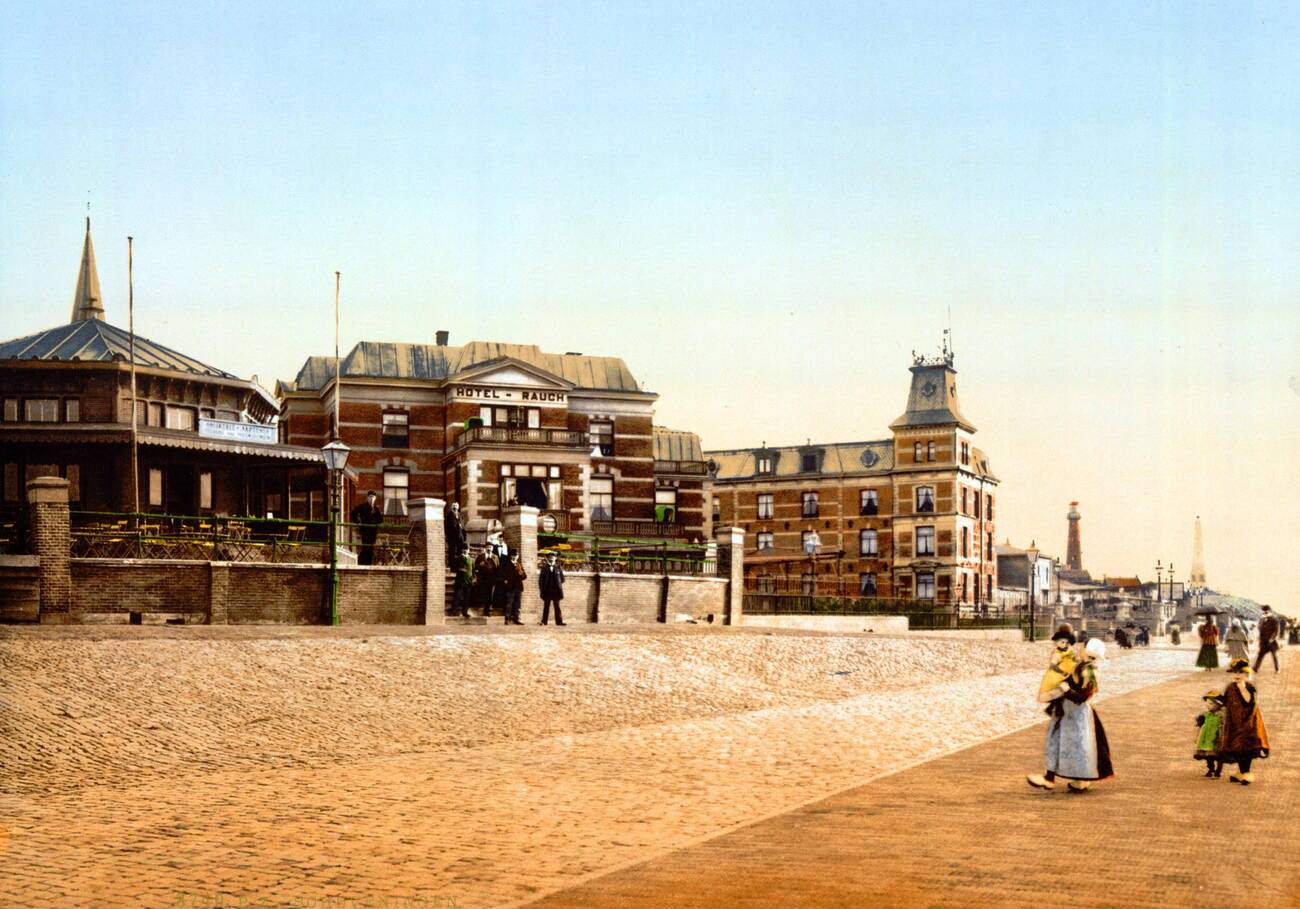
x=1208 y=657
x=1238 y=642
x=1244 y=737
x=1076 y=748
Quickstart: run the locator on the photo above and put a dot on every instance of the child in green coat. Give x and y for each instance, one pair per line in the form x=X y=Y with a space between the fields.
x=1207 y=740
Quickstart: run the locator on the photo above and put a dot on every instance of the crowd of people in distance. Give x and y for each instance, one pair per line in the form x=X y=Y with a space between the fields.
x=492 y=579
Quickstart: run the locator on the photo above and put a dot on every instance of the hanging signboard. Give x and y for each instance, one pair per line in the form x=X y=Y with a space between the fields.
x=233 y=431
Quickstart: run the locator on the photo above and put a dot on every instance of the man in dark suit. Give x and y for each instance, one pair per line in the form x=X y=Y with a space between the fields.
x=455 y=534
x=1268 y=635
x=368 y=516
x=550 y=582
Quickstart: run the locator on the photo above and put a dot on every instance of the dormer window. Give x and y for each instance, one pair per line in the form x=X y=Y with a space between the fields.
x=808 y=463
x=764 y=463
x=925 y=498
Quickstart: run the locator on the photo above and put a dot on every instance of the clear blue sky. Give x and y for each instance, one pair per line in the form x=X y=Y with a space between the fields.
x=762 y=207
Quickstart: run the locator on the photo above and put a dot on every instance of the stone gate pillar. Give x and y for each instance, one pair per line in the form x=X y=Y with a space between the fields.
x=429 y=552
x=51 y=528
x=731 y=565
x=520 y=532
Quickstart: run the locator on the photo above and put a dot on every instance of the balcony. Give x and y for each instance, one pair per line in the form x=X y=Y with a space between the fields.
x=504 y=435
x=639 y=529
x=685 y=468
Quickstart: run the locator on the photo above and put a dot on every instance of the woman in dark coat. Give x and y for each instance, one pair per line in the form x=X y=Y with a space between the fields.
x=1208 y=657
x=1244 y=737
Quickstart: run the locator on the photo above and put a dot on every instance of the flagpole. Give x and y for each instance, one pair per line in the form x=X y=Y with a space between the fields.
x=135 y=418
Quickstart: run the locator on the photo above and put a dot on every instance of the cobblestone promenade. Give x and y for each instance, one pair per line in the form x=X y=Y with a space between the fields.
x=203 y=767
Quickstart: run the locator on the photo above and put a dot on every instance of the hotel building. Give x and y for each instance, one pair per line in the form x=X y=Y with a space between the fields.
x=486 y=424
x=909 y=516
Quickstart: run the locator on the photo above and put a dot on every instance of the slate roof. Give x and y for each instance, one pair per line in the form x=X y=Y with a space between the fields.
x=94 y=340
x=838 y=459
x=395 y=360
x=676 y=445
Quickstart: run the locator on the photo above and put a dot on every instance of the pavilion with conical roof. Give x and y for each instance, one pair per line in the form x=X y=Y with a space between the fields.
x=206 y=440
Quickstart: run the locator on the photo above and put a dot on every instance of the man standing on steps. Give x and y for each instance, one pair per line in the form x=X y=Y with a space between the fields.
x=550 y=583
x=1268 y=632
x=368 y=516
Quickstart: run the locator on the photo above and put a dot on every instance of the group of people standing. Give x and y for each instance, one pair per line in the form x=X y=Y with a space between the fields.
x=1231 y=729
x=493 y=578
x=1237 y=640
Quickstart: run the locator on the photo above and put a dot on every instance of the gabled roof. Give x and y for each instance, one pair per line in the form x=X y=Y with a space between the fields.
x=838 y=459
x=394 y=360
x=93 y=340
x=677 y=445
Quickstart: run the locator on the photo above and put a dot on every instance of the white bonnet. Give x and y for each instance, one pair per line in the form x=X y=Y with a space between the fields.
x=1096 y=649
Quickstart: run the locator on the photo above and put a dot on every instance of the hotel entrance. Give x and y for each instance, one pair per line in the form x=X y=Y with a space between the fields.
x=537 y=485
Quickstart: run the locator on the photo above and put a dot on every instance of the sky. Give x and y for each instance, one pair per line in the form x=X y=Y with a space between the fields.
x=764 y=208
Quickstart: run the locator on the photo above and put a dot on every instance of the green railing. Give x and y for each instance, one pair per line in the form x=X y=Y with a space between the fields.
x=628 y=555
x=116 y=535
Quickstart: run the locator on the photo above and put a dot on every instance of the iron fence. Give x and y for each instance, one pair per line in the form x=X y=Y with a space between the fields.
x=113 y=535
x=629 y=555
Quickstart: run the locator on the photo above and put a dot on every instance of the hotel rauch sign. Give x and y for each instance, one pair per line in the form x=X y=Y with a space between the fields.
x=520 y=395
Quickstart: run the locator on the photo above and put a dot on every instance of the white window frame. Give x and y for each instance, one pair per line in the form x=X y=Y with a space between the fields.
x=766 y=541
x=925 y=532
x=868 y=497
x=925 y=585
x=605 y=492
x=766 y=503
x=404 y=484
x=815 y=499
x=40 y=410
x=868 y=542
x=929 y=494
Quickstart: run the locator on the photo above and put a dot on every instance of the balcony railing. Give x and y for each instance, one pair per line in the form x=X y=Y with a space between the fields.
x=503 y=435
x=667 y=529
x=689 y=468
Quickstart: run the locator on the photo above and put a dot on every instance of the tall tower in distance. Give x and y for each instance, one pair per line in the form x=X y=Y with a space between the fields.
x=1198 y=556
x=1073 y=549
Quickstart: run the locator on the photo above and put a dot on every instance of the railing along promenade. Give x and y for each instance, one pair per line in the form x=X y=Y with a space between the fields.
x=629 y=555
x=114 y=535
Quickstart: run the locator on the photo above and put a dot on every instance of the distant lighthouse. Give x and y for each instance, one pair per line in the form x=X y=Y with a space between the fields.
x=1073 y=549
x=1198 y=556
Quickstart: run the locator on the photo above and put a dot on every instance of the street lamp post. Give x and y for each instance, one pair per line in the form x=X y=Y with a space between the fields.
x=336 y=458
x=1032 y=580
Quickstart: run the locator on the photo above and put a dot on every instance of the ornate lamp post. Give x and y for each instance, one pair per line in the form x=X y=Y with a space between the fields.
x=1032 y=580
x=336 y=458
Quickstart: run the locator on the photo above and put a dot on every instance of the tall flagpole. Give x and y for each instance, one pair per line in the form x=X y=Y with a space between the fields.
x=337 y=427
x=135 y=418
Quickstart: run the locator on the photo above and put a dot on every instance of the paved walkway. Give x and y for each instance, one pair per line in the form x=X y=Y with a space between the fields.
x=966 y=831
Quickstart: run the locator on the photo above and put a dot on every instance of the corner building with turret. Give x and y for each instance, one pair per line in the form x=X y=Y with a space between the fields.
x=910 y=516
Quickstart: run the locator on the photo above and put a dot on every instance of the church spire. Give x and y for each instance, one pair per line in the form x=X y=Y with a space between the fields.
x=86 y=303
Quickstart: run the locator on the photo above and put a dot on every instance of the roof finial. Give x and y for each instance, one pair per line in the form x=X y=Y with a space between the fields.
x=86 y=301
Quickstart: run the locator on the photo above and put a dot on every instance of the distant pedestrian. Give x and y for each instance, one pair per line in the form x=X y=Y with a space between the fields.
x=368 y=516
x=1121 y=639
x=1208 y=656
x=1175 y=634
x=1244 y=737
x=1210 y=723
x=485 y=579
x=454 y=534
x=1293 y=636
x=1238 y=641
x=550 y=583
x=1268 y=633
x=462 y=584
x=1076 y=748
x=1144 y=636
x=511 y=588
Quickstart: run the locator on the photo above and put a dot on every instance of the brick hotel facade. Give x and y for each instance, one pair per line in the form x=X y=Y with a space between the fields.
x=909 y=516
x=486 y=423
